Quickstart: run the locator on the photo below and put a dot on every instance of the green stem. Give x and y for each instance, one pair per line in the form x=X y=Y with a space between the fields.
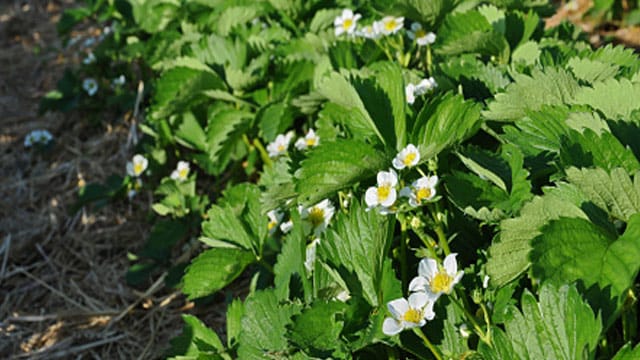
x=428 y=59
x=263 y=153
x=403 y=251
x=472 y=320
x=427 y=241
x=442 y=239
x=436 y=353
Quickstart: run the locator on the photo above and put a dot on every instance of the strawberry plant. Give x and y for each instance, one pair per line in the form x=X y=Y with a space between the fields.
x=441 y=179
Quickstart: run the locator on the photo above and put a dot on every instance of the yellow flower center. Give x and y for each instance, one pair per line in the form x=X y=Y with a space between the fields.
x=408 y=160
x=390 y=25
x=137 y=168
x=316 y=216
x=383 y=192
x=183 y=173
x=281 y=148
x=412 y=315
x=271 y=225
x=311 y=142
x=346 y=24
x=441 y=282
x=420 y=33
x=423 y=194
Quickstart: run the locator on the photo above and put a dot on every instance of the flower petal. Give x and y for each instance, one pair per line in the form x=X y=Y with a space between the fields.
x=371 y=196
x=398 y=307
x=428 y=268
x=418 y=283
x=451 y=265
x=391 y=327
x=418 y=300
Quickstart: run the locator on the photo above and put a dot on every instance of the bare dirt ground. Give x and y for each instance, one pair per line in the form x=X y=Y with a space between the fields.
x=62 y=288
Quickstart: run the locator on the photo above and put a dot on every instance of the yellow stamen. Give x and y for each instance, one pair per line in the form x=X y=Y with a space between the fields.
x=281 y=148
x=441 y=282
x=137 y=168
x=183 y=173
x=412 y=315
x=420 y=33
x=347 y=24
x=271 y=225
x=408 y=160
x=390 y=25
x=423 y=194
x=383 y=192
x=311 y=142
x=316 y=216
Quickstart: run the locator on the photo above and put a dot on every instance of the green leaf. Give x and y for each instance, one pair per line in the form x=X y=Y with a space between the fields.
x=317 y=329
x=338 y=90
x=277 y=185
x=470 y=32
x=333 y=166
x=571 y=250
x=181 y=86
x=196 y=339
x=614 y=98
x=190 y=133
x=548 y=87
x=559 y=326
x=154 y=16
x=289 y=267
x=264 y=322
x=213 y=270
x=589 y=149
x=357 y=245
x=628 y=352
x=592 y=71
x=426 y=12
x=223 y=227
x=446 y=121
x=614 y=191
x=509 y=252
x=234 y=16
x=469 y=67
x=388 y=76
x=224 y=130
x=274 y=119
x=235 y=312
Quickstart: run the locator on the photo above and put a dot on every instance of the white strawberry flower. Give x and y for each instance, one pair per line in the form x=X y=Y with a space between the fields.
x=425 y=86
x=423 y=189
x=119 y=81
x=389 y=25
x=310 y=254
x=41 y=137
x=434 y=280
x=275 y=217
x=90 y=85
x=286 y=226
x=318 y=215
x=346 y=22
x=410 y=93
x=369 y=32
x=137 y=165
x=181 y=172
x=408 y=314
x=309 y=140
x=384 y=194
x=90 y=59
x=280 y=145
x=407 y=157
x=421 y=37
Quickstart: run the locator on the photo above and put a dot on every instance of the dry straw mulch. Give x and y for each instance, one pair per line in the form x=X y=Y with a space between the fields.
x=62 y=288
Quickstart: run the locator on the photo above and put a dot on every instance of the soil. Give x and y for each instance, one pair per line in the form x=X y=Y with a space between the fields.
x=62 y=288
